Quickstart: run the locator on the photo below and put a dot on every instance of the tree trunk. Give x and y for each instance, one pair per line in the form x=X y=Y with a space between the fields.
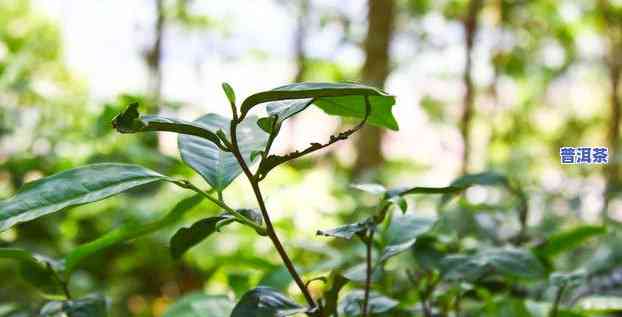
x=300 y=39
x=613 y=31
x=381 y=16
x=470 y=31
x=153 y=58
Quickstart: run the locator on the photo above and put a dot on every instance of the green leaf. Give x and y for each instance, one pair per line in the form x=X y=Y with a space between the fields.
x=94 y=306
x=217 y=167
x=37 y=270
x=128 y=232
x=509 y=262
x=186 y=238
x=400 y=202
x=71 y=188
x=403 y=232
x=130 y=121
x=347 y=231
x=351 y=304
x=433 y=190
x=279 y=111
x=484 y=179
x=200 y=305
x=561 y=242
x=266 y=302
x=229 y=93
x=342 y=99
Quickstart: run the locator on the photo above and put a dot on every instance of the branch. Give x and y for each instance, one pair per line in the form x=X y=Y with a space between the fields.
x=369 y=243
x=272 y=161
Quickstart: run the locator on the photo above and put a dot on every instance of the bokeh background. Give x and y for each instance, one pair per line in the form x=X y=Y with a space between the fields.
x=481 y=85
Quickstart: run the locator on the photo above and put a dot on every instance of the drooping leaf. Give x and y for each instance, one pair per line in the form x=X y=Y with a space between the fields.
x=484 y=179
x=220 y=168
x=128 y=232
x=94 y=306
x=567 y=240
x=351 y=304
x=71 y=188
x=36 y=269
x=403 y=232
x=342 y=99
x=200 y=305
x=433 y=190
x=186 y=238
x=266 y=302
x=130 y=121
x=508 y=262
x=281 y=110
x=347 y=231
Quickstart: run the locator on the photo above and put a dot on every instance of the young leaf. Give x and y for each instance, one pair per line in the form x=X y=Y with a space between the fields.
x=351 y=304
x=403 y=232
x=200 y=305
x=347 y=231
x=508 y=262
x=217 y=167
x=567 y=240
x=341 y=99
x=229 y=93
x=71 y=188
x=94 y=306
x=282 y=110
x=37 y=270
x=186 y=238
x=130 y=121
x=128 y=232
x=266 y=302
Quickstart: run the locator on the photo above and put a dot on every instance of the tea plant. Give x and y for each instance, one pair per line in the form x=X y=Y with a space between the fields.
x=442 y=274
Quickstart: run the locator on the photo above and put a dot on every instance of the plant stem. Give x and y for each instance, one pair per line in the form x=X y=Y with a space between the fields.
x=558 y=299
x=369 y=242
x=261 y=230
x=266 y=217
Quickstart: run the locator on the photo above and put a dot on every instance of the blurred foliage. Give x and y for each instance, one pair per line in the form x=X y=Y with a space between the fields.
x=513 y=242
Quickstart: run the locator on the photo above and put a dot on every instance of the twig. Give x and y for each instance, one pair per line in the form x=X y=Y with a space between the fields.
x=271 y=161
x=369 y=242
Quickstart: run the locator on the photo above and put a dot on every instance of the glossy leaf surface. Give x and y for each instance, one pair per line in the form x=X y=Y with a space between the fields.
x=341 y=99
x=512 y=263
x=94 y=306
x=220 y=168
x=71 y=188
x=130 y=121
x=266 y=302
